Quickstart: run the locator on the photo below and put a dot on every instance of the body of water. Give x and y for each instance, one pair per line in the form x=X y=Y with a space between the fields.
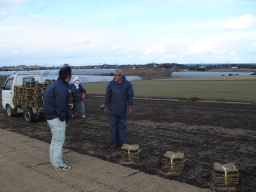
x=207 y=74
x=85 y=75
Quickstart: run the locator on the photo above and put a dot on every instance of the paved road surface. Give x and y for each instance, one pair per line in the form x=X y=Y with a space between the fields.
x=25 y=167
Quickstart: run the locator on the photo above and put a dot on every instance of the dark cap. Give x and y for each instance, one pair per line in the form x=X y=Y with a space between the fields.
x=118 y=72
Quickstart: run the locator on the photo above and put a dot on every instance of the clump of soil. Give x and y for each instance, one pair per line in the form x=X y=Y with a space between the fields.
x=206 y=132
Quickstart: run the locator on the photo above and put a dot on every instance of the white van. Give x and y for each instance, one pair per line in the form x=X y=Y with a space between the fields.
x=29 y=113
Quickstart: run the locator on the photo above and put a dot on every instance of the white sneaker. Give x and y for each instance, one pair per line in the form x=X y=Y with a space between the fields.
x=64 y=167
x=84 y=116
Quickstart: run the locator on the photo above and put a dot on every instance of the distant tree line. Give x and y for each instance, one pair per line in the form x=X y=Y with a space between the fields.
x=173 y=66
x=200 y=67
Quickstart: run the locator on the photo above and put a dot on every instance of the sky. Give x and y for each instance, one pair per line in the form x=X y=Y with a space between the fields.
x=92 y=32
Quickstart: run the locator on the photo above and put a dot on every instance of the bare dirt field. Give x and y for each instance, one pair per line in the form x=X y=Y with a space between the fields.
x=206 y=132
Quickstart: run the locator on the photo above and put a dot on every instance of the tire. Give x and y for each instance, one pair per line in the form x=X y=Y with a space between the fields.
x=10 y=112
x=28 y=115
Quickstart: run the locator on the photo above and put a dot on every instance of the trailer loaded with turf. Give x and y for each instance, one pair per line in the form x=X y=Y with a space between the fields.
x=24 y=93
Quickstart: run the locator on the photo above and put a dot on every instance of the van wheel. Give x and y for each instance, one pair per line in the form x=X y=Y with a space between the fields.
x=10 y=112
x=28 y=115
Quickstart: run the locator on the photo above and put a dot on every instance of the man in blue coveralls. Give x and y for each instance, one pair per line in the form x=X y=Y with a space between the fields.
x=119 y=102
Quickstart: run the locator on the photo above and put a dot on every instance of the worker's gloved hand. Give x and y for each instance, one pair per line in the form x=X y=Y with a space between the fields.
x=83 y=95
x=105 y=109
x=129 y=110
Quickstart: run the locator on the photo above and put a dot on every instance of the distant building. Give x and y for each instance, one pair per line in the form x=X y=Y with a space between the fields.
x=107 y=66
x=26 y=68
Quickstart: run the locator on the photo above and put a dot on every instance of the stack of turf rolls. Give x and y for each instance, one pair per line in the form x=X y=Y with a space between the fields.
x=173 y=162
x=225 y=176
x=130 y=153
x=30 y=94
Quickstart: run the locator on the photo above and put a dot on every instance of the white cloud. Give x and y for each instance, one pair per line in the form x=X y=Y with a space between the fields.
x=54 y=44
x=3 y=12
x=232 y=53
x=206 y=45
x=14 y=51
x=83 y=40
x=9 y=7
x=159 y=2
x=11 y=2
x=253 y=47
x=243 y=22
x=224 y=47
x=57 y=42
x=212 y=49
x=33 y=16
x=116 y=47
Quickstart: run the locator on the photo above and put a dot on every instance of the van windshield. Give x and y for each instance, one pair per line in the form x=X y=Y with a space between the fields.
x=8 y=85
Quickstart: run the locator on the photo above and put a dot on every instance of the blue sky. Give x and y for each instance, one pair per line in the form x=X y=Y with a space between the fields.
x=89 y=32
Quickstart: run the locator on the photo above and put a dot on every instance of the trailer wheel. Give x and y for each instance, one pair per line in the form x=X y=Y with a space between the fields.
x=28 y=115
x=10 y=112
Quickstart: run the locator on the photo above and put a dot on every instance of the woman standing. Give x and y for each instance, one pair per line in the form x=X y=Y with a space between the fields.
x=78 y=94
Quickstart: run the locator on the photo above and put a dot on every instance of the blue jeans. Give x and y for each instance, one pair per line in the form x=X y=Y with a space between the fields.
x=118 y=129
x=78 y=105
x=58 y=130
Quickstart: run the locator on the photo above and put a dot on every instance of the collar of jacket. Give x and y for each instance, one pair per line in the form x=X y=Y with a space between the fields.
x=59 y=79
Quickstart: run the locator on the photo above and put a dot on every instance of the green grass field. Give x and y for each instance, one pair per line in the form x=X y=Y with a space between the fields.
x=236 y=90
x=213 y=90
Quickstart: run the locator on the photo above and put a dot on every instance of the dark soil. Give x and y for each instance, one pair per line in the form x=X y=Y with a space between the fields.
x=206 y=132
